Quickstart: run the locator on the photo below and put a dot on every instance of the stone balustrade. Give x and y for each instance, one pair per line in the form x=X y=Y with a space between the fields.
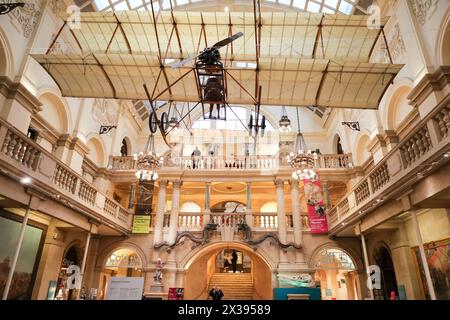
x=24 y=154
x=325 y=161
x=398 y=168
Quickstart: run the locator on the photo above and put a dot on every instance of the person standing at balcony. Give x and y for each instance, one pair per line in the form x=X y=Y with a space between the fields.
x=195 y=157
x=234 y=258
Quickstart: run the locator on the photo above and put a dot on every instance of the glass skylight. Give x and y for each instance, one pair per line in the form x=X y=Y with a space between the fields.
x=316 y=6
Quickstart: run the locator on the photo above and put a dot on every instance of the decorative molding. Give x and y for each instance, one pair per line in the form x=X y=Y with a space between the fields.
x=422 y=9
x=45 y=129
x=104 y=112
x=79 y=146
x=18 y=92
x=27 y=17
x=397 y=45
x=430 y=82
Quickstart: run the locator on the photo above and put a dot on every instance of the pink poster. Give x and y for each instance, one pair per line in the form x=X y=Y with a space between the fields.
x=316 y=206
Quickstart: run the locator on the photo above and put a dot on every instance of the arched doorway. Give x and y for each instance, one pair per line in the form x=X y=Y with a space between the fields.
x=122 y=262
x=337 y=275
x=71 y=257
x=211 y=267
x=382 y=258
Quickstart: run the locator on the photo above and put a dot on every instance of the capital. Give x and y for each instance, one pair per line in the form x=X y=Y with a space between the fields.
x=279 y=183
x=177 y=183
x=163 y=183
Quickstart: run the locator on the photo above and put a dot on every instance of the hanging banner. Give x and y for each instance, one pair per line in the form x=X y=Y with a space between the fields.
x=316 y=206
x=176 y=294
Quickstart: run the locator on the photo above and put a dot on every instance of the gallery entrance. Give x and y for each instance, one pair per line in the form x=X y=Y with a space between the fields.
x=383 y=259
x=213 y=267
x=121 y=263
x=337 y=275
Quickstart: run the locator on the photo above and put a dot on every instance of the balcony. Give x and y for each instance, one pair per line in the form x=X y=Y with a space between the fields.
x=262 y=222
x=337 y=166
x=421 y=151
x=21 y=156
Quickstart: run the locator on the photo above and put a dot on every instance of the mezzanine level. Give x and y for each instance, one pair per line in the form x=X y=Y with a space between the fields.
x=422 y=151
x=22 y=157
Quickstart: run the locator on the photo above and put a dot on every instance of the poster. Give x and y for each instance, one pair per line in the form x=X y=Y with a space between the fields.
x=22 y=281
x=51 y=293
x=125 y=288
x=316 y=206
x=141 y=224
x=176 y=294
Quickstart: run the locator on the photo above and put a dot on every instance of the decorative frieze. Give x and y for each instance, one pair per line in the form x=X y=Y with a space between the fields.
x=27 y=17
x=422 y=9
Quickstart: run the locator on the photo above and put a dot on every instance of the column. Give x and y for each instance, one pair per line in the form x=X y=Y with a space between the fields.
x=423 y=257
x=160 y=211
x=249 y=211
x=207 y=213
x=131 y=198
x=366 y=264
x=281 y=216
x=173 y=226
x=83 y=263
x=297 y=222
x=17 y=251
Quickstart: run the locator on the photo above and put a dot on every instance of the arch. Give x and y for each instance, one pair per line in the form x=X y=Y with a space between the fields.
x=269 y=207
x=6 y=57
x=190 y=206
x=361 y=153
x=193 y=255
x=110 y=249
x=126 y=142
x=97 y=150
x=443 y=41
x=382 y=257
x=337 y=144
x=397 y=106
x=55 y=110
x=331 y=245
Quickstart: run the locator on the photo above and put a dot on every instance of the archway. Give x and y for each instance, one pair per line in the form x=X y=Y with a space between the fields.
x=207 y=268
x=54 y=112
x=97 y=151
x=398 y=108
x=361 y=153
x=123 y=262
x=336 y=272
x=71 y=257
x=383 y=259
x=445 y=41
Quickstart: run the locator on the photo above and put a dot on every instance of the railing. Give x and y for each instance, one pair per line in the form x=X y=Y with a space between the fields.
x=430 y=135
x=227 y=219
x=34 y=161
x=188 y=220
x=327 y=161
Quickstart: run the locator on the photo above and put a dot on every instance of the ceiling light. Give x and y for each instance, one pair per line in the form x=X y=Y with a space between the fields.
x=285 y=122
x=25 y=180
x=226 y=9
x=447 y=154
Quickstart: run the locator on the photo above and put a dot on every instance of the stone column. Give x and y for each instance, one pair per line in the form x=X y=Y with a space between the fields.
x=423 y=257
x=173 y=226
x=297 y=222
x=160 y=211
x=281 y=216
x=249 y=211
x=207 y=213
x=366 y=264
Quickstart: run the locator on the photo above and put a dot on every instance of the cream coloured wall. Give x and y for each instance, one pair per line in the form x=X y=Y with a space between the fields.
x=434 y=225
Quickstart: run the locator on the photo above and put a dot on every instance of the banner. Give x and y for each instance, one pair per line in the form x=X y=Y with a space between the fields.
x=316 y=208
x=176 y=294
x=125 y=288
x=141 y=224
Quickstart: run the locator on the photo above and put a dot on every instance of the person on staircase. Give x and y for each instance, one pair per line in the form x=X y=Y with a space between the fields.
x=216 y=293
x=234 y=258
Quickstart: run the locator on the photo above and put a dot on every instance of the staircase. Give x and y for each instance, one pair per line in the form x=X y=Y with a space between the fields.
x=235 y=286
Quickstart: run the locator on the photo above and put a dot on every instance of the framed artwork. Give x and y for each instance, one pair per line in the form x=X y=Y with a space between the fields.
x=438 y=262
x=27 y=263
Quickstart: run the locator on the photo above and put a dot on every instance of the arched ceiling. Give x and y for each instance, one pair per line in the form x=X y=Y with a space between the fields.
x=316 y=6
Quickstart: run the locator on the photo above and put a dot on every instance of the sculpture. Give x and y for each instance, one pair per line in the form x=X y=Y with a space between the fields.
x=158 y=273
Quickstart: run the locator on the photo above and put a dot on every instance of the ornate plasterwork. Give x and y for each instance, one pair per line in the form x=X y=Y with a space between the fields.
x=104 y=112
x=27 y=17
x=397 y=44
x=423 y=8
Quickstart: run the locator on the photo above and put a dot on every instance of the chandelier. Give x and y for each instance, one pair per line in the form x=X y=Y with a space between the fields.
x=147 y=163
x=285 y=122
x=302 y=160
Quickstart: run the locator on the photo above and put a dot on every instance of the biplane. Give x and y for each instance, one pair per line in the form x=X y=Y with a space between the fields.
x=259 y=58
